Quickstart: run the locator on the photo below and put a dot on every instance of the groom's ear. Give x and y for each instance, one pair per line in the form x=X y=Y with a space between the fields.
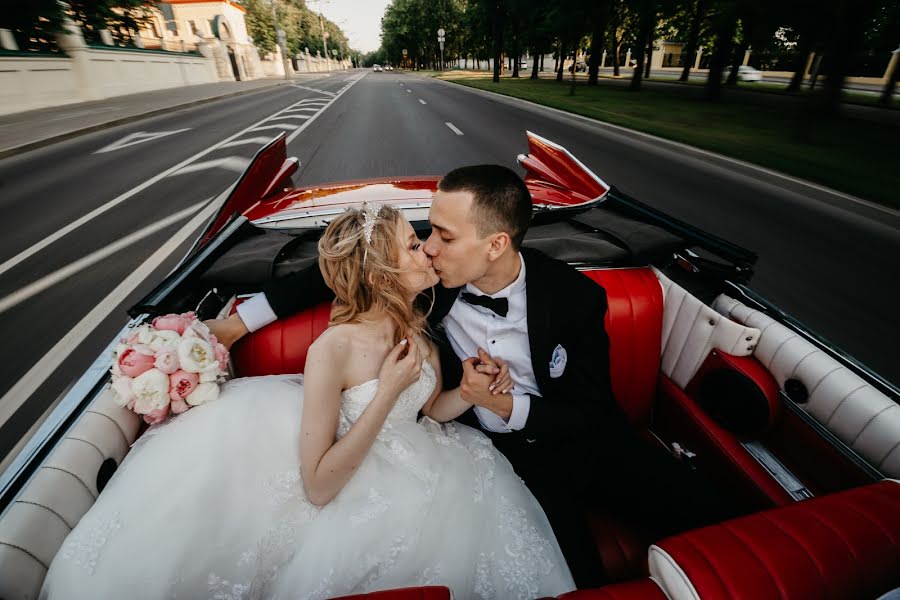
x=499 y=243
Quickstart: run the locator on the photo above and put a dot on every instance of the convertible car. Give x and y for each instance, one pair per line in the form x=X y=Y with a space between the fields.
x=802 y=439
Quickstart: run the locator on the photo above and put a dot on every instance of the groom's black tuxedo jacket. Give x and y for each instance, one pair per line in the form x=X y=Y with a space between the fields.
x=565 y=308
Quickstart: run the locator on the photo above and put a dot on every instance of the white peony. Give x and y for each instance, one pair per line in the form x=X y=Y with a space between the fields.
x=196 y=355
x=151 y=391
x=121 y=386
x=164 y=338
x=209 y=375
x=204 y=393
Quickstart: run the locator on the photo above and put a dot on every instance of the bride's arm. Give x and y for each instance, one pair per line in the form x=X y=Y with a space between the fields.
x=327 y=465
x=443 y=405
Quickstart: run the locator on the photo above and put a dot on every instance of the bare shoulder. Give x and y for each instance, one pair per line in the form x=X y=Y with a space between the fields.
x=333 y=345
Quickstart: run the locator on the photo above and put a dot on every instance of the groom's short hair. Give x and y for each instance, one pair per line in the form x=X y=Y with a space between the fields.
x=501 y=201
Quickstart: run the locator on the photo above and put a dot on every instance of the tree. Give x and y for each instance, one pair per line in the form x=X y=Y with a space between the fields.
x=120 y=17
x=647 y=18
x=33 y=23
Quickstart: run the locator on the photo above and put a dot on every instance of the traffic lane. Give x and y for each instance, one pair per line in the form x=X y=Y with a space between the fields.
x=378 y=129
x=38 y=324
x=819 y=262
x=48 y=188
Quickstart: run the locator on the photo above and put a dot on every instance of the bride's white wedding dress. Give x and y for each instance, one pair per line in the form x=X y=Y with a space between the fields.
x=211 y=505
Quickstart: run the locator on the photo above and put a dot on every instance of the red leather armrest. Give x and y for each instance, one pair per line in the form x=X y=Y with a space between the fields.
x=429 y=592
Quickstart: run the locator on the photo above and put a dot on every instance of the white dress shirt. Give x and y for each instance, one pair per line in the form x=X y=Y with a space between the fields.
x=468 y=327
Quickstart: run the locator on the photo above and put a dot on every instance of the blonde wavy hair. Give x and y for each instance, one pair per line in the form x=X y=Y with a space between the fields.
x=364 y=274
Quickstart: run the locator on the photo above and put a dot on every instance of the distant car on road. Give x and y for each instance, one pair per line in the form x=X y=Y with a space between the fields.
x=745 y=73
x=376 y=68
x=389 y=68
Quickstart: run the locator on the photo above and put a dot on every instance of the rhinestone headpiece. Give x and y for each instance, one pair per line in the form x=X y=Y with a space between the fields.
x=370 y=213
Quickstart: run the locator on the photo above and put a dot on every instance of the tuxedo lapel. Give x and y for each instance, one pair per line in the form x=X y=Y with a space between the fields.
x=538 y=296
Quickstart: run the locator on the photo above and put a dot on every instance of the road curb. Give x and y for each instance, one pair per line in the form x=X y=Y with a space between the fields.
x=680 y=146
x=7 y=152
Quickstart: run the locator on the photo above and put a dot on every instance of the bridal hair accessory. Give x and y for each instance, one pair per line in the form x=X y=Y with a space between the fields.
x=168 y=366
x=370 y=214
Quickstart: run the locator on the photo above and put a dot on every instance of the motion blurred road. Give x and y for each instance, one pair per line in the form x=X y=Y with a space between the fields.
x=89 y=222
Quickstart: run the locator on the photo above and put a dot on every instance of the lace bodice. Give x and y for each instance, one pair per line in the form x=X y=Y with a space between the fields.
x=355 y=400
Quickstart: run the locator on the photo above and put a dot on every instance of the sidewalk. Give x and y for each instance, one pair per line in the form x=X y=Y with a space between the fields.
x=24 y=131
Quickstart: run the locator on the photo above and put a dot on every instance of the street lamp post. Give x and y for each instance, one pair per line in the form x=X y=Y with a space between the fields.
x=282 y=43
x=440 y=33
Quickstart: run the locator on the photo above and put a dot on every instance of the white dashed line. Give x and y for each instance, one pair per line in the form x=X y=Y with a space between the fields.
x=422 y=101
x=454 y=128
x=410 y=91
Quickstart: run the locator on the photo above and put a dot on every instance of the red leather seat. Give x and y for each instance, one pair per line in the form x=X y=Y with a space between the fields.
x=845 y=545
x=634 y=325
x=430 y=592
x=644 y=589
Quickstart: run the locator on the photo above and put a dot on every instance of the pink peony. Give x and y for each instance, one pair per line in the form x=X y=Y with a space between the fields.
x=133 y=363
x=173 y=322
x=157 y=416
x=167 y=361
x=182 y=384
x=221 y=356
x=179 y=406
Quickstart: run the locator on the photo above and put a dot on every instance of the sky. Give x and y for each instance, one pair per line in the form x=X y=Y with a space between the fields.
x=359 y=19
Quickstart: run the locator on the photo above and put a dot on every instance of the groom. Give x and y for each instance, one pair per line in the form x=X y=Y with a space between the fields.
x=560 y=425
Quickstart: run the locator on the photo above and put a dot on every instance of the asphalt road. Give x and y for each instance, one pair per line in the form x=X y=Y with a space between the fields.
x=827 y=259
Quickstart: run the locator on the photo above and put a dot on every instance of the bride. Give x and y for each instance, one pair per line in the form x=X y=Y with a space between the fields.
x=315 y=487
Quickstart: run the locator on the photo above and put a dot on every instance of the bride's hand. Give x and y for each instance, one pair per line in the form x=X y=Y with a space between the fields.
x=399 y=372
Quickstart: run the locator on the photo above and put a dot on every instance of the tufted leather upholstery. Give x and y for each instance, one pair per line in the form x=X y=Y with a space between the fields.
x=853 y=410
x=846 y=545
x=59 y=494
x=633 y=322
x=691 y=329
x=280 y=347
x=432 y=592
x=644 y=589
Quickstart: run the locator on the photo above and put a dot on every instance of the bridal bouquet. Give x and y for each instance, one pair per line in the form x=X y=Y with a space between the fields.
x=168 y=366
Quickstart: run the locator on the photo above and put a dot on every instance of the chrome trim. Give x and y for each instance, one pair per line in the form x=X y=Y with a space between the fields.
x=780 y=473
x=86 y=388
x=303 y=214
x=848 y=452
x=572 y=156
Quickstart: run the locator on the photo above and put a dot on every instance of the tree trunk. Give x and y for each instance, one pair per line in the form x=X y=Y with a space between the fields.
x=536 y=59
x=649 y=59
x=736 y=62
x=724 y=46
x=800 y=73
x=597 y=41
x=888 y=92
x=563 y=45
x=647 y=22
x=542 y=62
x=690 y=50
x=498 y=39
x=843 y=47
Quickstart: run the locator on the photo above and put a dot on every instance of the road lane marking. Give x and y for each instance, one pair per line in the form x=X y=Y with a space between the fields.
x=291 y=117
x=138 y=137
x=454 y=128
x=410 y=91
x=254 y=140
x=34 y=249
x=237 y=164
x=422 y=101
x=309 y=89
x=287 y=126
x=36 y=287
x=28 y=384
x=300 y=129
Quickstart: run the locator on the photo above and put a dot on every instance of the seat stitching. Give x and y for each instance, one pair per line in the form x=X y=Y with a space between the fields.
x=797 y=366
x=821 y=379
x=677 y=312
x=886 y=456
x=807 y=551
x=91 y=444
x=840 y=537
x=877 y=524
x=116 y=423
x=39 y=561
x=681 y=353
x=712 y=567
x=751 y=546
x=841 y=403
x=870 y=421
x=75 y=476
x=777 y=350
x=45 y=508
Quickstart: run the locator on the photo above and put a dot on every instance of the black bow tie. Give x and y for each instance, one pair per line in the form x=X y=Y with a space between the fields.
x=498 y=305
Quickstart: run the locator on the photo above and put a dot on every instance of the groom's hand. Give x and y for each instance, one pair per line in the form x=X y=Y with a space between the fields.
x=475 y=388
x=229 y=330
